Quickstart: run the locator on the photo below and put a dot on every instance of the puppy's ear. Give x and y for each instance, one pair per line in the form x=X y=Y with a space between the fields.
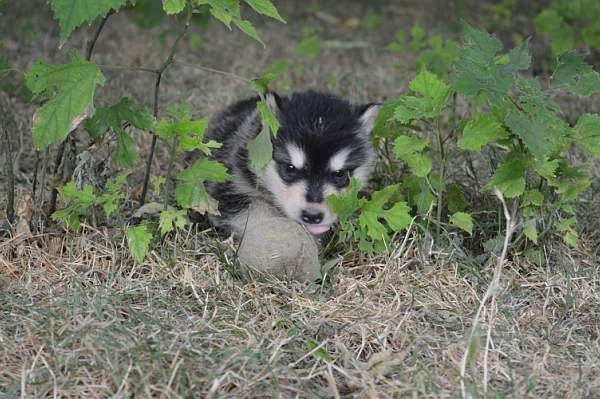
x=367 y=114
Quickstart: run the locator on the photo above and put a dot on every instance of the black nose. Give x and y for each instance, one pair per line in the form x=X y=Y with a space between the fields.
x=312 y=217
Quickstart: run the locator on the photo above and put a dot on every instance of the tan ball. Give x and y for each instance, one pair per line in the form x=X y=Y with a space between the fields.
x=280 y=246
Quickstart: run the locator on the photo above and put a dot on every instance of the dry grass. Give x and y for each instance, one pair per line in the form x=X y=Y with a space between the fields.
x=79 y=319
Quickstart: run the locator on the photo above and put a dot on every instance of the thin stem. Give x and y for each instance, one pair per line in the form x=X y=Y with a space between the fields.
x=159 y=73
x=10 y=205
x=128 y=68
x=212 y=70
x=169 y=180
x=440 y=195
x=92 y=43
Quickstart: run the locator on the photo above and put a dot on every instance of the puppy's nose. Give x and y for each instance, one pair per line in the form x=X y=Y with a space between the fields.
x=311 y=216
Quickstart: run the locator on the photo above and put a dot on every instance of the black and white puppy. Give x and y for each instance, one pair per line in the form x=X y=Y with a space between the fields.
x=322 y=142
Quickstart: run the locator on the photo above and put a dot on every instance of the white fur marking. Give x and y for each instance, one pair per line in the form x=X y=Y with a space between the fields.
x=338 y=161
x=297 y=156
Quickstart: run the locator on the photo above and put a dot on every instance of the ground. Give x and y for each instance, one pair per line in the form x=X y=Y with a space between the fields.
x=78 y=318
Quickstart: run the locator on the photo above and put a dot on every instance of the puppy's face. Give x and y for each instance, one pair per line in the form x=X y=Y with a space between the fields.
x=322 y=142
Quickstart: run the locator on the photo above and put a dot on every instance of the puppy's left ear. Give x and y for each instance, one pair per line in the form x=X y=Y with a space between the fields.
x=367 y=114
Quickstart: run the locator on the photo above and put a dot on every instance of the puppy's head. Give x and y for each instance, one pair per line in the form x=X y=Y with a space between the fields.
x=322 y=142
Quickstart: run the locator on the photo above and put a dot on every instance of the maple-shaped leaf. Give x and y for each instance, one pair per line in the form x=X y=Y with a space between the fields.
x=537 y=123
x=479 y=67
x=433 y=95
x=372 y=211
x=171 y=219
x=71 y=90
x=138 y=241
x=190 y=133
x=112 y=118
x=191 y=192
x=481 y=130
x=575 y=75
x=408 y=149
x=509 y=177
x=71 y=14
x=587 y=134
x=346 y=204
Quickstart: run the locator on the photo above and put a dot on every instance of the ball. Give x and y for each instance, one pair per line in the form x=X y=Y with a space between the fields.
x=279 y=246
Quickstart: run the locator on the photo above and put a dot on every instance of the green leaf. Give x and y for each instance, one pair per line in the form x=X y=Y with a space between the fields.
x=71 y=14
x=260 y=149
x=463 y=221
x=398 y=216
x=478 y=69
x=533 y=197
x=562 y=36
x=320 y=353
x=434 y=94
x=112 y=118
x=191 y=193
x=138 y=240
x=346 y=204
x=205 y=170
x=80 y=204
x=265 y=7
x=310 y=46
x=509 y=178
x=173 y=6
x=587 y=134
x=575 y=75
x=481 y=130
x=190 y=133
x=456 y=200
x=537 y=123
x=546 y=169
x=171 y=219
x=112 y=194
x=571 y=238
x=384 y=124
x=530 y=230
x=247 y=27
x=419 y=164
x=126 y=154
x=267 y=116
x=71 y=90
x=408 y=145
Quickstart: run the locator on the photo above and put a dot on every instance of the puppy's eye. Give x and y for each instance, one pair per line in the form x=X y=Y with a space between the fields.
x=340 y=174
x=339 y=177
x=290 y=168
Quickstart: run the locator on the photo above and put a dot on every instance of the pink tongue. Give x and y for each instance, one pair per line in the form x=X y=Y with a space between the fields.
x=316 y=229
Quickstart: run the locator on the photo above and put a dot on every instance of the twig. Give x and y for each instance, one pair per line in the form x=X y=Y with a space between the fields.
x=128 y=68
x=490 y=293
x=212 y=70
x=92 y=43
x=159 y=72
x=10 y=205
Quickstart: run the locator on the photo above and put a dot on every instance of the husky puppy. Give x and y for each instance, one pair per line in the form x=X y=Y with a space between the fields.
x=322 y=142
